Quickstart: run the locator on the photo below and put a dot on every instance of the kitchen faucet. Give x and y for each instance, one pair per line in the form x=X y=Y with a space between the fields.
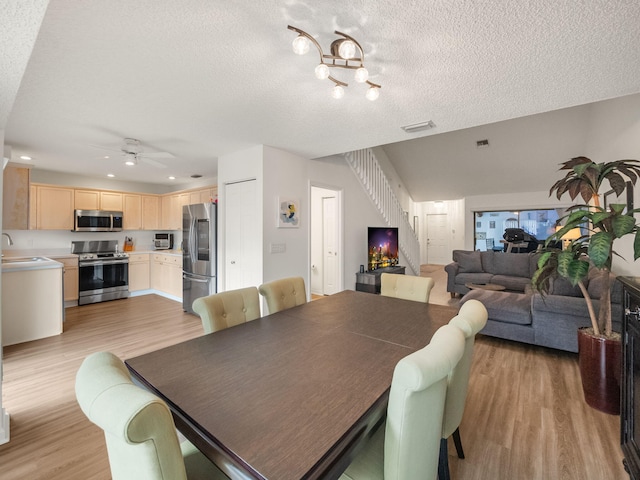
x=8 y=238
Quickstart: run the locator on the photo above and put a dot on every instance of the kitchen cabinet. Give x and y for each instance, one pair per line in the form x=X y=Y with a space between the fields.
x=86 y=199
x=206 y=195
x=166 y=274
x=15 y=198
x=31 y=300
x=111 y=201
x=32 y=207
x=150 y=212
x=132 y=212
x=54 y=210
x=172 y=211
x=70 y=276
x=97 y=200
x=139 y=271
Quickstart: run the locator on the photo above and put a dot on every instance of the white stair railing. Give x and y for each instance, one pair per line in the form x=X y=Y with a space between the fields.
x=366 y=167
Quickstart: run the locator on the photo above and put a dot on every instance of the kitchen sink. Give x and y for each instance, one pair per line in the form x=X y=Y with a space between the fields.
x=24 y=259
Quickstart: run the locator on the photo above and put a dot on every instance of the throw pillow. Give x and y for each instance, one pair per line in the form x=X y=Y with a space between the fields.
x=470 y=262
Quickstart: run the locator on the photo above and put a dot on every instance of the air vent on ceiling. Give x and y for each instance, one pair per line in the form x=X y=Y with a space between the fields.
x=196 y=175
x=482 y=143
x=417 y=127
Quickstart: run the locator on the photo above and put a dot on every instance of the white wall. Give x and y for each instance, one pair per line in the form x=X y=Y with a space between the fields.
x=358 y=212
x=614 y=134
x=285 y=177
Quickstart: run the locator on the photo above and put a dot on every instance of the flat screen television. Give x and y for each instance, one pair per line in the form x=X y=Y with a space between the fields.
x=382 y=250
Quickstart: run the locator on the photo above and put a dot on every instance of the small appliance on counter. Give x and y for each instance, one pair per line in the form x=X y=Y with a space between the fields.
x=163 y=241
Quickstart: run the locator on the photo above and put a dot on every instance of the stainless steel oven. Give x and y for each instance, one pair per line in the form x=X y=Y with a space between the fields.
x=103 y=271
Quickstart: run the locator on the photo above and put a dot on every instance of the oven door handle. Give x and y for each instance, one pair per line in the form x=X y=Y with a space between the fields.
x=103 y=262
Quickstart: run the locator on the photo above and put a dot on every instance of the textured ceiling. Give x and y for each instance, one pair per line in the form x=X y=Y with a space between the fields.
x=202 y=78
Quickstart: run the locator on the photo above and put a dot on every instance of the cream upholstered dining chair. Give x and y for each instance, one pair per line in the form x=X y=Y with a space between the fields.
x=407 y=287
x=406 y=447
x=226 y=309
x=284 y=293
x=471 y=318
x=142 y=442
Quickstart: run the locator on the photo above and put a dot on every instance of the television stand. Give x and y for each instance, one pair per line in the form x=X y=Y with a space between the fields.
x=369 y=281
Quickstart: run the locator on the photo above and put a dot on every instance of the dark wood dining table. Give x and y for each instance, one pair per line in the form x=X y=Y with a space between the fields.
x=293 y=394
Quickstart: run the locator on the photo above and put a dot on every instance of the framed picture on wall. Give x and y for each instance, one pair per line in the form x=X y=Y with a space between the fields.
x=288 y=213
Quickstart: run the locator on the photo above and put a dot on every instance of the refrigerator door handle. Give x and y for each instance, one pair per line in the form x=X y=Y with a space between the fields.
x=193 y=279
x=193 y=240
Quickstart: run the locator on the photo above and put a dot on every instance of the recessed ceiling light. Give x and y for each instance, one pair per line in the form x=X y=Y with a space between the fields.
x=25 y=157
x=172 y=177
x=111 y=175
x=107 y=156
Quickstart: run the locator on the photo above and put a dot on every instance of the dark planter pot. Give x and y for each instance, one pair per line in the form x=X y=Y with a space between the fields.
x=600 y=363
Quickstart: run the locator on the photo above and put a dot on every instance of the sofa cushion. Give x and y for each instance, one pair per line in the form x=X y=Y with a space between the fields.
x=562 y=286
x=516 y=264
x=512 y=283
x=464 y=278
x=488 y=264
x=503 y=306
x=469 y=262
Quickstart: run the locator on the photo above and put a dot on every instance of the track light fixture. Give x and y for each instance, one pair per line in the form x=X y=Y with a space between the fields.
x=346 y=53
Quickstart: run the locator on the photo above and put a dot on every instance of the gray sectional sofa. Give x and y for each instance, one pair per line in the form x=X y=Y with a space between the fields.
x=520 y=314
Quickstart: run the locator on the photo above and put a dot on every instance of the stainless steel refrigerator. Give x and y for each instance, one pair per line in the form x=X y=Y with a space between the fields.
x=199 y=252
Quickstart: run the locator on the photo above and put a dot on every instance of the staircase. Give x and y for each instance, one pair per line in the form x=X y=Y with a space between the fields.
x=366 y=167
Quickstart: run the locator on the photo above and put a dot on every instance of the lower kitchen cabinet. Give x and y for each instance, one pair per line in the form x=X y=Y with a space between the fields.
x=139 y=271
x=166 y=274
x=70 y=276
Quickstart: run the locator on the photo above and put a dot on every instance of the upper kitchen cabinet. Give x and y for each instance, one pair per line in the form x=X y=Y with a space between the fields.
x=150 y=212
x=15 y=198
x=132 y=212
x=206 y=195
x=98 y=200
x=111 y=201
x=54 y=208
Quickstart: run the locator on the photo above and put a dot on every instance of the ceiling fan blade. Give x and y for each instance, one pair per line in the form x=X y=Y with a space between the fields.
x=103 y=147
x=151 y=162
x=157 y=155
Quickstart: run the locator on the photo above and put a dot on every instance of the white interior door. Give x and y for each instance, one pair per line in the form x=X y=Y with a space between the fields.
x=243 y=239
x=437 y=239
x=325 y=241
x=330 y=245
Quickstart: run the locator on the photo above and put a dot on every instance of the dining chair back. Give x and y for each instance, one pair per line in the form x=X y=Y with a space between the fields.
x=139 y=431
x=284 y=293
x=407 y=446
x=227 y=309
x=471 y=318
x=407 y=287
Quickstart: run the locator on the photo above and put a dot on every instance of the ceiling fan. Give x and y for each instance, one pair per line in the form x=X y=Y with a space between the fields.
x=132 y=151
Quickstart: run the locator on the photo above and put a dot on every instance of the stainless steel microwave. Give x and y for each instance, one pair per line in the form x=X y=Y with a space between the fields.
x=97 y=221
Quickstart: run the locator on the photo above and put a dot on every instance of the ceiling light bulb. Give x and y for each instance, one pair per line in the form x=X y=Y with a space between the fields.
x=25 y=157
x=362 y=75
x=110 y=175
x=172 y=178
x=347 y=49
x=322 y=71
x=130 y=163
x=372 y=93
x=337 y=92
x=300 y=45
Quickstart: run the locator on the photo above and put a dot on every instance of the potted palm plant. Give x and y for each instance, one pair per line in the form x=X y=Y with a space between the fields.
x=599 y=347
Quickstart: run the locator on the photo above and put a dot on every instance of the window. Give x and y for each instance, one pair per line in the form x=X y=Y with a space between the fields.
x=490 y=226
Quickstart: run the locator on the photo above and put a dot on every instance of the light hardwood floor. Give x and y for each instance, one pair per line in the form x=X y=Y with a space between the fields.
x=525 y=417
